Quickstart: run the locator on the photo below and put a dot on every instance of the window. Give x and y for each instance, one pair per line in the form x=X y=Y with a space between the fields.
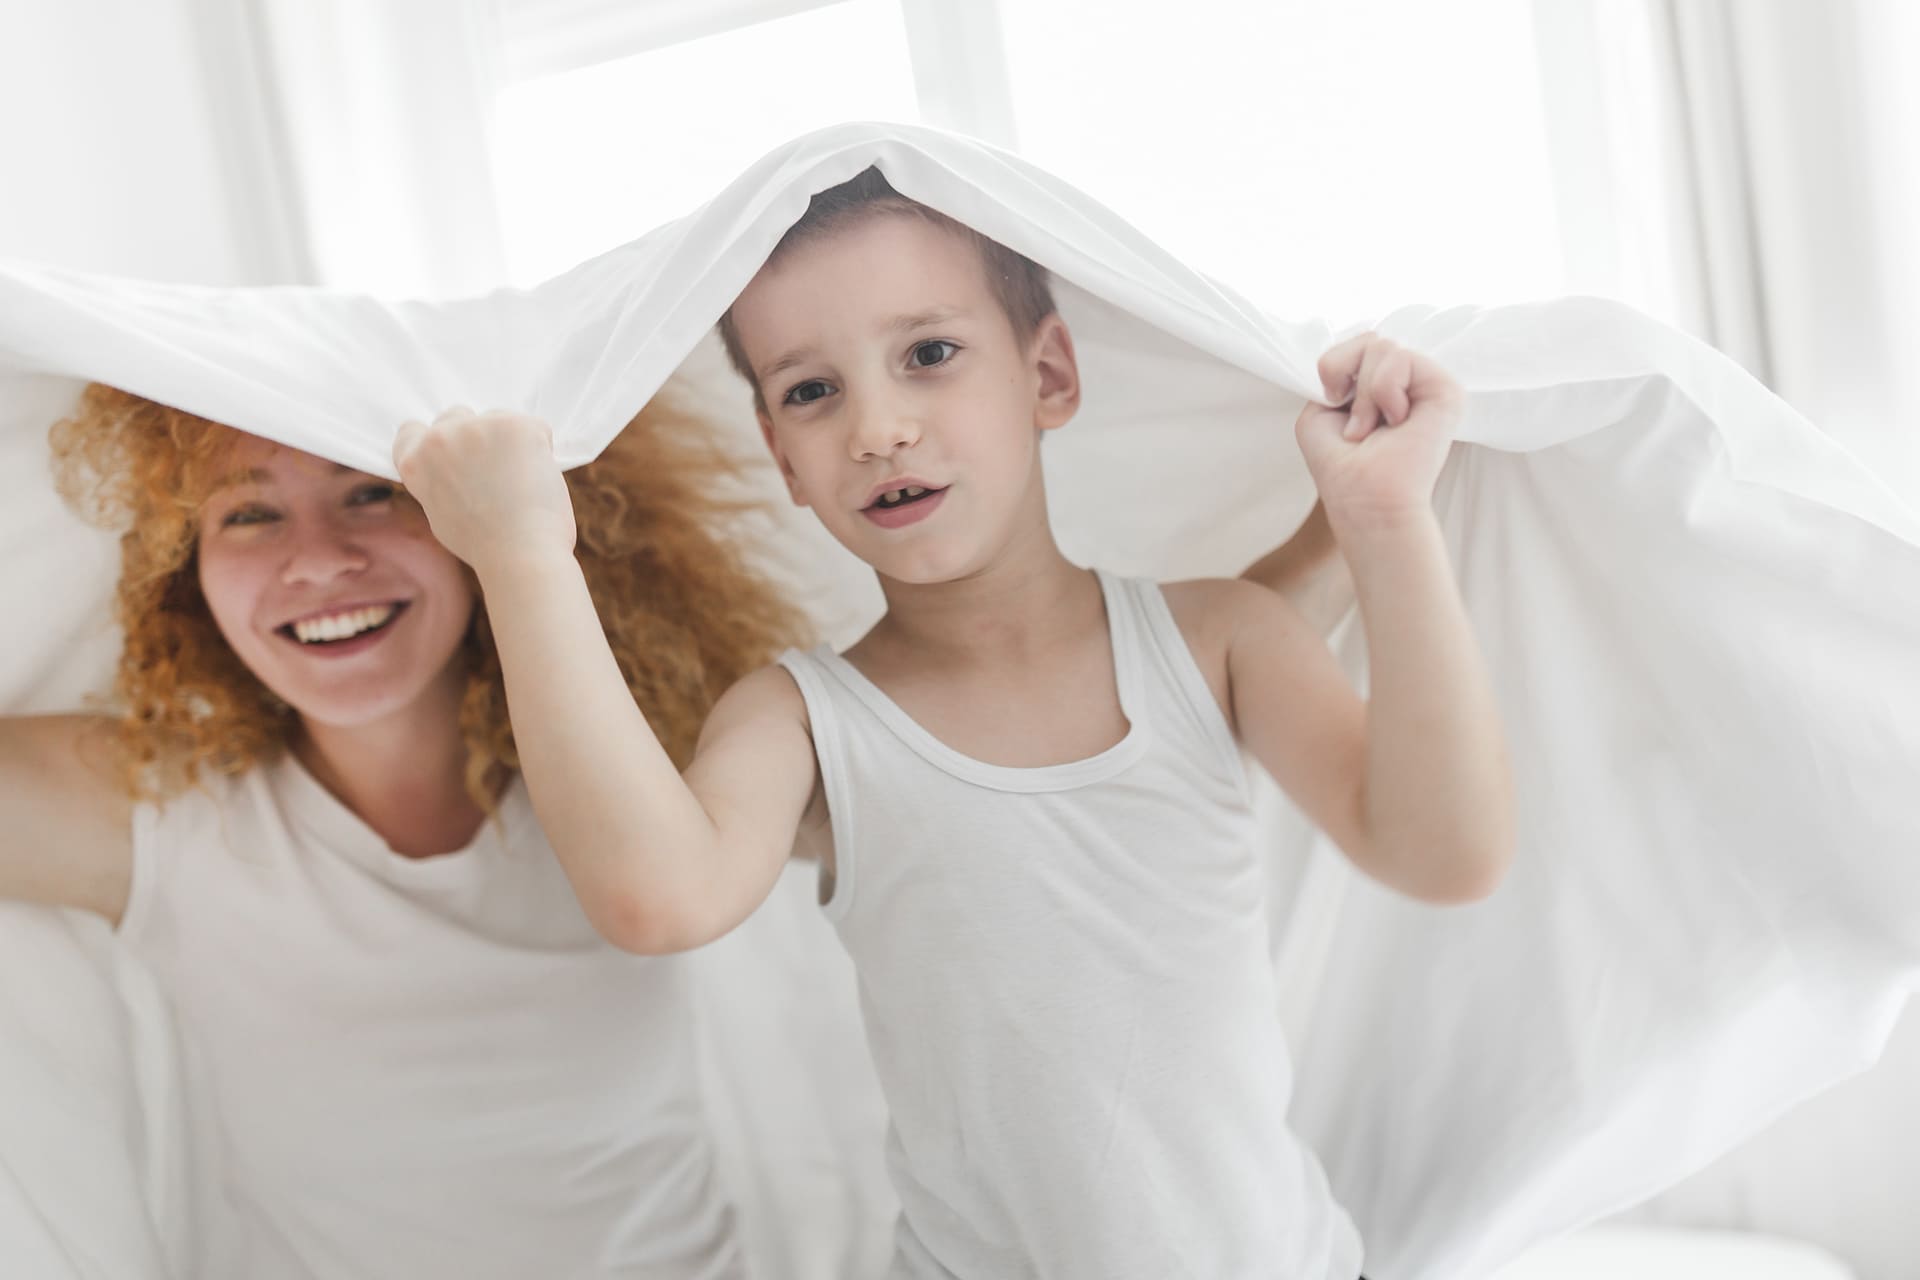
x=1335 y=160
x=591 y=157
x=1330 y=160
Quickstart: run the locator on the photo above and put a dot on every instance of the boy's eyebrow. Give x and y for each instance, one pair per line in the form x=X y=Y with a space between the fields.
x=923 y=319
x=928 y=319
x=798 y=355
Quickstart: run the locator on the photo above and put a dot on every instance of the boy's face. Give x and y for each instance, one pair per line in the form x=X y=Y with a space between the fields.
x=900 y=405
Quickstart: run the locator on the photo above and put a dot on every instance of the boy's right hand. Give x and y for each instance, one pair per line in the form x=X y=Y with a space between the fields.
x=489 y=485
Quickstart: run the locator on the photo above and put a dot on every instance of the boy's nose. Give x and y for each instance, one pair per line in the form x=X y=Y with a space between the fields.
x=883 y=428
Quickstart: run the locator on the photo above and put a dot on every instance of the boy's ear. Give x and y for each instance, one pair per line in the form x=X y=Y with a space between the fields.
x=1057 y=395
x=779 y=458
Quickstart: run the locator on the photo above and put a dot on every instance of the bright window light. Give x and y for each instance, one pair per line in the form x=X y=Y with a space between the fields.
x=590 y=159
x=1331 y=160
x=1323 y=159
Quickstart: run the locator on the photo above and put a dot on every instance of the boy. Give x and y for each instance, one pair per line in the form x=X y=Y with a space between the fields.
x=1024 y=784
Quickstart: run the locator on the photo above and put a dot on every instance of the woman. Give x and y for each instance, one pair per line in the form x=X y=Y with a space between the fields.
x=304 y=815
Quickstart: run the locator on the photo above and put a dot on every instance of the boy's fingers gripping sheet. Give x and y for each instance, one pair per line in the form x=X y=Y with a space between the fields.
x=1699 y=614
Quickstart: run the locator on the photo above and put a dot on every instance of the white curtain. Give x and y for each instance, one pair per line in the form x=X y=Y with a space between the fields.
x=120 y=123
x=253 y=142
x=1750 y=170
x=382 y=113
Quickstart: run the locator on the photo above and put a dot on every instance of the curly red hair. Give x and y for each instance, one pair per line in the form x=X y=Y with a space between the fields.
x=685 y=612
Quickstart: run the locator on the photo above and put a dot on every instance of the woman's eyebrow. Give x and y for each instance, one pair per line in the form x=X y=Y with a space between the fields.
x=260 y=475
x=233 y=480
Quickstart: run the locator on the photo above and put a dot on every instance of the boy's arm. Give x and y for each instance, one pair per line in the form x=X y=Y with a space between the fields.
x=659 y=861
x=1411 y=783
x=1308 y=571
x=1417 y=779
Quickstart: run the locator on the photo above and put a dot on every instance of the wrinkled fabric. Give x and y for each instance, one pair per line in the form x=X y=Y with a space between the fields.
x=1701 y=618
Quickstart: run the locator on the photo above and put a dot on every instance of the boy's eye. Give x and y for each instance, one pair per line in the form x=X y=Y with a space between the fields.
x=367 y=494
x=808 y=392
x=934 y=351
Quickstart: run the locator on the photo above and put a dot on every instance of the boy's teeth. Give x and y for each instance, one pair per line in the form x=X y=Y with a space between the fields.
x=913 y=492
x=342 y=626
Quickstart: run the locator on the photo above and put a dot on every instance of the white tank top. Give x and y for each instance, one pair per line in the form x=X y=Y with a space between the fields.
x=421 y=1068
x=1068 y=990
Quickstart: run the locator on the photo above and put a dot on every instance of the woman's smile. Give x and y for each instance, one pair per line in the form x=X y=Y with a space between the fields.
x=340 y=631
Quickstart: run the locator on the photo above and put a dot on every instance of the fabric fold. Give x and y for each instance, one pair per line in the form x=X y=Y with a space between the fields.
x=1701 y=616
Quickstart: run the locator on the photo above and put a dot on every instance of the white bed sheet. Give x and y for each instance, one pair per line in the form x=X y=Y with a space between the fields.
x=1699 y=612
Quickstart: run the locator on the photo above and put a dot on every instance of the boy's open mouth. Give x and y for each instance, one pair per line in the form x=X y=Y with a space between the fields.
x=902 y=497
x=338 y=628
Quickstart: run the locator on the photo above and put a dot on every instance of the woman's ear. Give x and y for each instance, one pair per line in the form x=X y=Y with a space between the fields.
x=779 y=458
x=1057 y=374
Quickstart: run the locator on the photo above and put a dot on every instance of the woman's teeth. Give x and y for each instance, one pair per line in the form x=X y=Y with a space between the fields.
x=894 y=497
x=343 y=626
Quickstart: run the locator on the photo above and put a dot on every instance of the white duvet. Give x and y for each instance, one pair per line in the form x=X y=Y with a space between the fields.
x=1702 y=619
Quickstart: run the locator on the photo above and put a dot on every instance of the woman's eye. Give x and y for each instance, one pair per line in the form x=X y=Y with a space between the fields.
x=240 y=517
x=368 y=494
x=935 y=351
x=808 y=392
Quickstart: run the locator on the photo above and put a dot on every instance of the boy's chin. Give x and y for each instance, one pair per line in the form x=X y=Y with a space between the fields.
x=925 y=578
x=924 y=567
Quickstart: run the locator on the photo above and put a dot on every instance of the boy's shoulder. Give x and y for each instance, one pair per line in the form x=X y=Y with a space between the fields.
x=1208 y=604
x=769 y=694
x=1211 y=614
x=1215 y=614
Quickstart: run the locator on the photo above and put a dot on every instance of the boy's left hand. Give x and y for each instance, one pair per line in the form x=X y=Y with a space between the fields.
x=1376 y=458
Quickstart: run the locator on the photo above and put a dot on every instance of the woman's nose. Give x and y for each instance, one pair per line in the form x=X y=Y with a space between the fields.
x=321 y=556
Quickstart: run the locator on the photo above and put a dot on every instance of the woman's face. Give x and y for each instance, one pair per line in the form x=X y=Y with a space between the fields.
x=329 y=585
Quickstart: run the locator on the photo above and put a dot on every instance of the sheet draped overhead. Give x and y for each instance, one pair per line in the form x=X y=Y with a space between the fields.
x=1702 y=619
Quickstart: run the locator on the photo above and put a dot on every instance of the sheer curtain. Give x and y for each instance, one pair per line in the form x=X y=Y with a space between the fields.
x=378 y=129
x=254 y=142
x=126 y=137
x=1750 y=171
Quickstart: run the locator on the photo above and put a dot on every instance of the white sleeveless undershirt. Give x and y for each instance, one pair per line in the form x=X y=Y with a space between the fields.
x=421 y=1068
x=1068 y=990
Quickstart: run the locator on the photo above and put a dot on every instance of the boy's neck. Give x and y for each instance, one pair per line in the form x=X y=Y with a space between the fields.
x=404 y=775
x=1031 y=597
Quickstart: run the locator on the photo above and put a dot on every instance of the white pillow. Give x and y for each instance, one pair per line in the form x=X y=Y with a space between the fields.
x=1672 y=1253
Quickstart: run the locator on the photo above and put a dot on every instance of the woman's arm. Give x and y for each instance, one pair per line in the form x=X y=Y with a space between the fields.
x=66 y=822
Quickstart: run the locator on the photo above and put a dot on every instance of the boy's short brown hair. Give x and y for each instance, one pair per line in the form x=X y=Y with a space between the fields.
x=1019 y=284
